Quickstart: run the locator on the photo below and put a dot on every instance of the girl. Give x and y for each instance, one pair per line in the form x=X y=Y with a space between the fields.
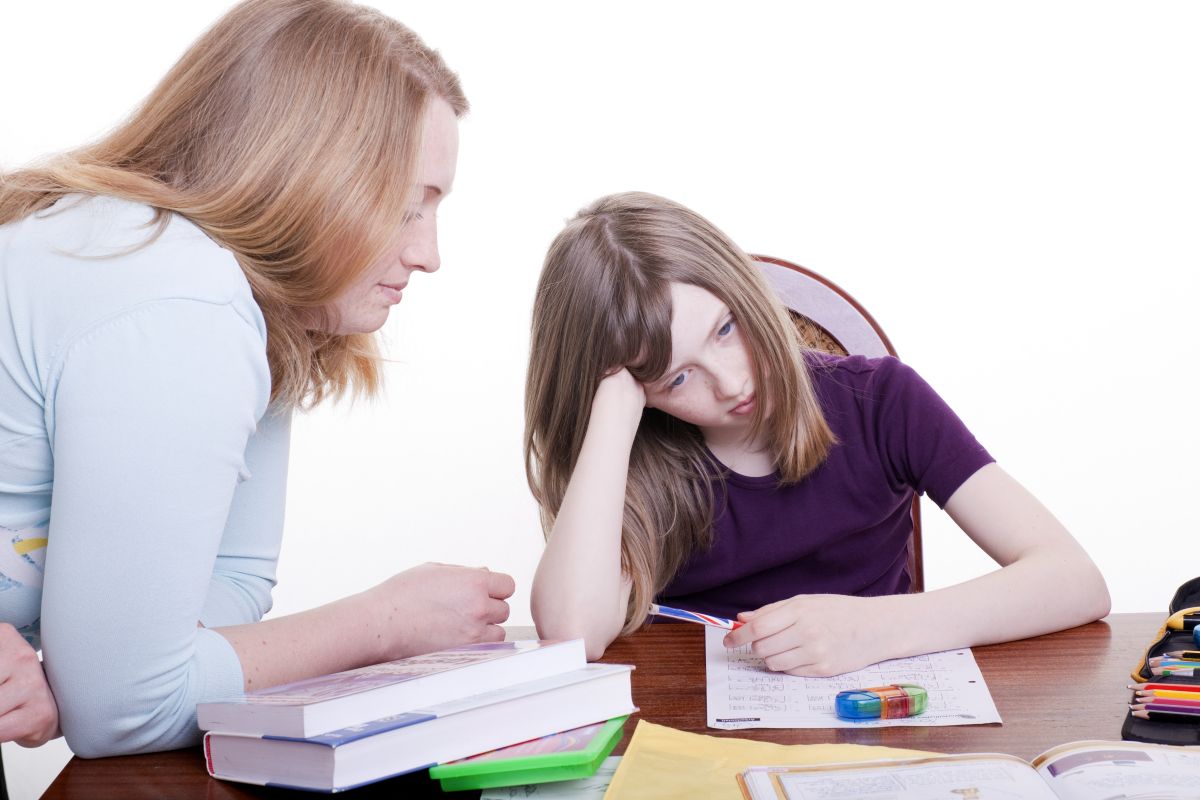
x=170 y=294
x=685 y=448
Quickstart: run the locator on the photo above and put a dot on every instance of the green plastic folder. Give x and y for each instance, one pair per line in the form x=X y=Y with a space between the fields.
x=576 y=753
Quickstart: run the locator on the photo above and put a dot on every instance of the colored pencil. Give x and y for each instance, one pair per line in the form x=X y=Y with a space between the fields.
x=1165 y=705
x=1168 y=716
x=1159 y=661
x=695 y=616
x=1172 y=697
x=1187 y=655
x=1166 y=687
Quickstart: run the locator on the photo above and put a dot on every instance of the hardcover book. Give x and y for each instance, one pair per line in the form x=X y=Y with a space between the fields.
x=360 y=754
x=342 y=699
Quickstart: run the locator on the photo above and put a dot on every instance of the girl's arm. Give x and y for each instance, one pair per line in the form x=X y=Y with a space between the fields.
x=579 y=589
x=1046 y=583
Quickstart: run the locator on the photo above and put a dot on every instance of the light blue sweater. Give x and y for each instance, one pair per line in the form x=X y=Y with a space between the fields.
x=142 y=476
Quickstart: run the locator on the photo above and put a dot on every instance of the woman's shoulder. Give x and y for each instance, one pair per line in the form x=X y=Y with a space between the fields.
x=87 y=259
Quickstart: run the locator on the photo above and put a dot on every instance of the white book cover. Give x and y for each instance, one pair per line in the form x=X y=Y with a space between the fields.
x=328 y=702
x=429 y=735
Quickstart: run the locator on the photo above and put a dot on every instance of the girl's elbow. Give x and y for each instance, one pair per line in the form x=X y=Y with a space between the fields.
x=595 y=641
x=596 y=646
x=1094 y=599
x=1101 y=600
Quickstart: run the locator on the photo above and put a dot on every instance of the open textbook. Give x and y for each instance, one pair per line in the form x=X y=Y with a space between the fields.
x=1074 y=771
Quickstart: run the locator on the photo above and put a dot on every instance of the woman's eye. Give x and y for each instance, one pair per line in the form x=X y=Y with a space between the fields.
x=679 y=379
x=725 y=329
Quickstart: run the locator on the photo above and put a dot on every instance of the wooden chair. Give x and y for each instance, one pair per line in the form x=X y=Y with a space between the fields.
x=832 y=321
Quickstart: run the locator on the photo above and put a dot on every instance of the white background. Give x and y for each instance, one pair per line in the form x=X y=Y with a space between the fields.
x=1011 y=188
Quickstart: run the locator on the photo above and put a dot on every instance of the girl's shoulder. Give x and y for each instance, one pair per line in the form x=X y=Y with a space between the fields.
x=872 y=385
x=856 y=370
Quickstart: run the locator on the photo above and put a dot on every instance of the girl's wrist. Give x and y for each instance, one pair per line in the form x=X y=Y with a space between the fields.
x=612 y=418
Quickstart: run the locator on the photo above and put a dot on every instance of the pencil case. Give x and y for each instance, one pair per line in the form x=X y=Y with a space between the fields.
x=1178 y=633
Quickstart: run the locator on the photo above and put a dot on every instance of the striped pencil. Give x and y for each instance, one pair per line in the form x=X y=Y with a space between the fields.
x=695 y=616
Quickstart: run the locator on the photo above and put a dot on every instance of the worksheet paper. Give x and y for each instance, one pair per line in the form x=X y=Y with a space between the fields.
x=742 y=693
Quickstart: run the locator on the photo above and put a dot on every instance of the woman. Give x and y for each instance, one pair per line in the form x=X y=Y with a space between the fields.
x=171 y=293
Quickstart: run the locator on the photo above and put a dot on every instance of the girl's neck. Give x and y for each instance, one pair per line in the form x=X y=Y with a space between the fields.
x=752 y=459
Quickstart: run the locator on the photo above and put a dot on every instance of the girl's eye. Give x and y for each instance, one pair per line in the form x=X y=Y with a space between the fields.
x=725 y=329
x=679 y=379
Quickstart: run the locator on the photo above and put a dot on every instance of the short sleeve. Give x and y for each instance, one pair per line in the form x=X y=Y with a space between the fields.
x=152 y=413
x=923 y=442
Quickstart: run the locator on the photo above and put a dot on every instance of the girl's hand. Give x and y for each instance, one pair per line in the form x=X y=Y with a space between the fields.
x=28 y=713
x=815 y=635
x=619 y=398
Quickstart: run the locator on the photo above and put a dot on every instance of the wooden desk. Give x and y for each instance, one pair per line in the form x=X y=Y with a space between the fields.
x=1049 y=690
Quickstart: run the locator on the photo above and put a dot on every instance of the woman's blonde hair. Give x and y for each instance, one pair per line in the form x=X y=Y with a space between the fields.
x=290 y=133
x=603 y=302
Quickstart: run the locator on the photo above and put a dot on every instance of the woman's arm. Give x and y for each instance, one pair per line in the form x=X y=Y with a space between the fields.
x=154 y=417
x=579 y=589
x=1046 y=583
x=149 y=419
x=423 y=609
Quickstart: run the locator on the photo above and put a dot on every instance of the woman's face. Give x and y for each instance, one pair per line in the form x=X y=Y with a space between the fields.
x=364 y=306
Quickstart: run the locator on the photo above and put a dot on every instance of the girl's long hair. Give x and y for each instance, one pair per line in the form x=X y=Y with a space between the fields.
x=603 y=302
x=290 y=133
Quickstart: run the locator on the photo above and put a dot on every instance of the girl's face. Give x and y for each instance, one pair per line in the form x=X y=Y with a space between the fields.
x=365 y=304
x=710 y=382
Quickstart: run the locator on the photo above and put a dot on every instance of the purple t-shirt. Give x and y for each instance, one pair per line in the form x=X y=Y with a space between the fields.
x=844 y=528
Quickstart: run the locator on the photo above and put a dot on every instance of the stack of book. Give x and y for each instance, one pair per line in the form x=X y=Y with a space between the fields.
x=338 y=731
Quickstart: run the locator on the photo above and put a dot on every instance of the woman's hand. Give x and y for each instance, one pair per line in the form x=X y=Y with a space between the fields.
x=28 y=713
x=435 y=606
x=815 y=635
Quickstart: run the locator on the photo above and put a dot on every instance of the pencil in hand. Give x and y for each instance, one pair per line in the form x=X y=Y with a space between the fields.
x=695 y=616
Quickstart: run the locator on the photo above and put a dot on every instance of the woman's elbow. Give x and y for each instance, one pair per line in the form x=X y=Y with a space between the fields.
x=94 y=727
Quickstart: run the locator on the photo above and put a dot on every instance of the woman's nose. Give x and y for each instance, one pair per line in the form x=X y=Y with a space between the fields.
x=421 y=250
